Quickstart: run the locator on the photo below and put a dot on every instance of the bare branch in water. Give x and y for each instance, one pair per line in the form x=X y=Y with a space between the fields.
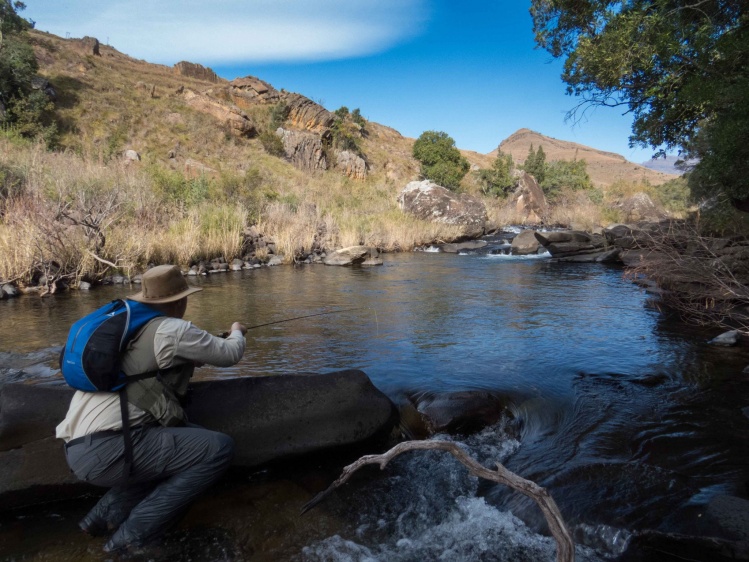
x=565 y=545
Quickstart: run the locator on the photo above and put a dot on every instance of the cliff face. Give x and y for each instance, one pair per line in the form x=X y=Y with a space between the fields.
x=604 y=168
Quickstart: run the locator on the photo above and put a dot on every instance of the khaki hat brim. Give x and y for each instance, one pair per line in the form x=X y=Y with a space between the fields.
x=171 y=298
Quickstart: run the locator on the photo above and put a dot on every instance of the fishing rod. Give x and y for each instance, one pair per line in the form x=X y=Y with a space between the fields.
x=226 y=334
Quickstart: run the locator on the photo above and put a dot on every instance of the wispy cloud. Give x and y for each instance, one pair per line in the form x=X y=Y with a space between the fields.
x=229 y=31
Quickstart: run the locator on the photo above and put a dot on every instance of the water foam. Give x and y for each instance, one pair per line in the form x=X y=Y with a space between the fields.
x=427 y=508
x=542 y=256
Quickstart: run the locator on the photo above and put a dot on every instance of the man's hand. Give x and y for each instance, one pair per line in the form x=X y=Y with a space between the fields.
x=241 y=327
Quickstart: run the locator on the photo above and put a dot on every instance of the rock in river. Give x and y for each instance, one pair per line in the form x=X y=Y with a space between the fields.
x=270 y=418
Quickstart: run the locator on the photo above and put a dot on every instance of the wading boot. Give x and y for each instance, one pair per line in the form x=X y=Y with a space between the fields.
x=94 y=526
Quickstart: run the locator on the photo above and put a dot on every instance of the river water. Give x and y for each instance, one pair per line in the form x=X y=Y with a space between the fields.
x=625 y=415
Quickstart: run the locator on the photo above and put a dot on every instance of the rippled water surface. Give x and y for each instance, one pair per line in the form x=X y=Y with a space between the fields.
x=631 y=420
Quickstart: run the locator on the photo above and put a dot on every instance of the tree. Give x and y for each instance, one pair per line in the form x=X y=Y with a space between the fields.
x=17 y=61
x=498 y=180
x=20 y=105
x=440 y=160
x=535 y=163
x=357 y=118
x=679 y=66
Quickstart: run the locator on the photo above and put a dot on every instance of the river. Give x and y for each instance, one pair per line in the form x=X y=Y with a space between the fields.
x=624 y=414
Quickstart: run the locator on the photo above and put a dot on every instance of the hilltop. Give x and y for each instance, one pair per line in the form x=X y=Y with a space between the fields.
x=604 y=168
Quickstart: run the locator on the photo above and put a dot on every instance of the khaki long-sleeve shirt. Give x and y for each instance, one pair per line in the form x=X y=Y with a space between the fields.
x=176 y=341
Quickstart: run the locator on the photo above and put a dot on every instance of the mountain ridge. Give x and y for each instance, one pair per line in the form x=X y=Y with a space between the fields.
x=95 y=78
x=604 y=168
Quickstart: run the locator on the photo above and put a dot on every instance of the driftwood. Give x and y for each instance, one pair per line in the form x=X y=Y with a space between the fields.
x=565 y=545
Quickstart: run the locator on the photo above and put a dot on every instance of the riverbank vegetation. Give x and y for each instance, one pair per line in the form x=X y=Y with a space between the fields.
x=67 y=213
x=680 y=69
x=193 y=188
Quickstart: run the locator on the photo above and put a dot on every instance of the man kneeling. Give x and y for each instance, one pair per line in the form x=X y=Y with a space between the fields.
x=173 y=461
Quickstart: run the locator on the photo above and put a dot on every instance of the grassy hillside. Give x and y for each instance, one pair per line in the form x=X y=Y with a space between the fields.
x=82 y=208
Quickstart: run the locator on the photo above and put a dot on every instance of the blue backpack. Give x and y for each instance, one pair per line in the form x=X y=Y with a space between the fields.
x=92 y=357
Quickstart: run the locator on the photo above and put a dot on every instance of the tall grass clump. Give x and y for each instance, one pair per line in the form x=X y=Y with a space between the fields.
x=292 y=227
x=221 y=228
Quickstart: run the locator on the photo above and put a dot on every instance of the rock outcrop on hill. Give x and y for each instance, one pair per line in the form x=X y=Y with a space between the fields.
x=307 y=115
x=249 y=91
x=89 y=46
x=198 y=71
x=351 y=165
x=229 y=114
x=429 y=201
x=304 y=150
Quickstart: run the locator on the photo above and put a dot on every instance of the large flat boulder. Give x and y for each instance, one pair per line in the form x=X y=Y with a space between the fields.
x=573 y=243
x=431 y=202
x=271 y=418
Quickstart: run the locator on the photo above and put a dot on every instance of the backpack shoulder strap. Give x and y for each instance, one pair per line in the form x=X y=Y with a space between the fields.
x=142 y=350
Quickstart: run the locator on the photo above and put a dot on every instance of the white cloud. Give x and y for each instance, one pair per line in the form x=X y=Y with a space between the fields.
x=227 y=31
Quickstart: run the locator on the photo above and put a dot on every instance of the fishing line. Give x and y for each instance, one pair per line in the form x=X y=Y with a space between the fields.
x=225 y=334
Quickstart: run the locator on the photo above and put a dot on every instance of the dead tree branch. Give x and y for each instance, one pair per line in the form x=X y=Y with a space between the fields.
x=705 y=279
x=565 y=545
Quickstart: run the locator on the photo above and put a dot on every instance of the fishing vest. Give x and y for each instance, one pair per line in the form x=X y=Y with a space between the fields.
x=159 y=396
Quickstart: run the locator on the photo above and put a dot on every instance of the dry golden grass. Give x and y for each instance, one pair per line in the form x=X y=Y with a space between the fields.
x=503 y=212
x=575 y=210
x=155 y=211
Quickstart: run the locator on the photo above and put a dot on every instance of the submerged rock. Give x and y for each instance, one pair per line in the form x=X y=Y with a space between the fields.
x=454 y=248
x=462 y=412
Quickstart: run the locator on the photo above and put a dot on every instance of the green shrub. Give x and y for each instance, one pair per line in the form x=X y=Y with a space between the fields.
x=357 y=118
x=345 y=136
x=498 y=180
x=674 y=195
x=535 y=164
x=440 y=160
x=172 y=186
x=278 y=115
x=11 y=182
x=28 y=111
x=272 y=143
x=565 y=174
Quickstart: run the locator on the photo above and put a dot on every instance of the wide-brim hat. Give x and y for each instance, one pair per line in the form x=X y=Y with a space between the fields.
x=163 y=283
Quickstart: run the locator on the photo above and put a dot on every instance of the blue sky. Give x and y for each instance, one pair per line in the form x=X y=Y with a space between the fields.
x=468 y=68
